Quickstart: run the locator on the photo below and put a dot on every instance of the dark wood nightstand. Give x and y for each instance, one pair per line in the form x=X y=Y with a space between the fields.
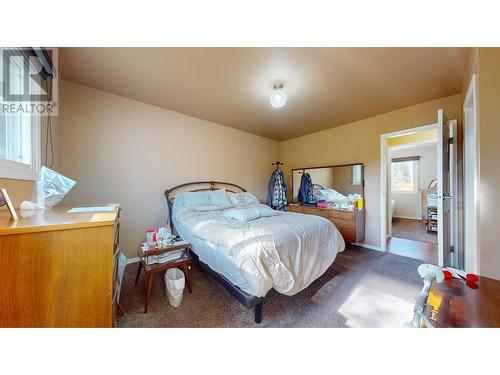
x=453 y=304
x=183 y=263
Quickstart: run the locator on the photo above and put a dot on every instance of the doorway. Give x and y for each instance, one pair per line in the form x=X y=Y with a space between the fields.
x=412 y=194
x=438 y=199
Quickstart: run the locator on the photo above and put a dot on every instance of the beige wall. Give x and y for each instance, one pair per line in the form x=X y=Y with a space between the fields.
x=121 y=150
x=342 y=181
x=360 y=142
x=418 y=137
x=19 y=190
x=489 y=157
x=472 y=68
x=485 y=63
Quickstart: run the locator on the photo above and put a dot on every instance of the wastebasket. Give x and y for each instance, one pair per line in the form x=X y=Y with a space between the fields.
x=174 y=286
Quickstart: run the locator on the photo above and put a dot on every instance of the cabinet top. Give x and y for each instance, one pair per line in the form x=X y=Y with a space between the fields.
x=56 y=218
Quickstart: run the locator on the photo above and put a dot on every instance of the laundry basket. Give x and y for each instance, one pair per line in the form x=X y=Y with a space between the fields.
x=174 y=286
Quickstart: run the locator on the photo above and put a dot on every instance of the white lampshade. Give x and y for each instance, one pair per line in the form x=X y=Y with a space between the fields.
x=278 y=98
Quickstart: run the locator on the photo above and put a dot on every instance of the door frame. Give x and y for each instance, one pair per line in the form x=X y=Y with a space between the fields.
x=471 y=240
x=384 y=175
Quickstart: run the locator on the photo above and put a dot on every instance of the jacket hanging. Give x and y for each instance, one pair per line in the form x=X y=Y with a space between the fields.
x=277 y=191
x=306 y=193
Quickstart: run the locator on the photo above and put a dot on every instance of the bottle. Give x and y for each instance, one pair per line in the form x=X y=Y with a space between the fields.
x=360 y=203
x=151 y=237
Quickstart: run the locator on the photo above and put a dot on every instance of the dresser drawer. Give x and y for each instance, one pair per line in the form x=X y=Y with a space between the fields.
x=344 y=224
x=351 y=224
x=309 y=210
x=341 y=215
x=348 y=235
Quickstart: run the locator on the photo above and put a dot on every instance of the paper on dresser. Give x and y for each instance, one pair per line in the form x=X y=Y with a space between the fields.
x=92 y=209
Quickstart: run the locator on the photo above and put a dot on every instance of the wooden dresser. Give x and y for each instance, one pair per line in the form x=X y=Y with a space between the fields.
x=58 y=269
x=351 y=224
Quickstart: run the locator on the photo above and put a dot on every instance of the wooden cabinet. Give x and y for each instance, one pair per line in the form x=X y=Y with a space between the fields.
x=351 y=224
x=58 y=269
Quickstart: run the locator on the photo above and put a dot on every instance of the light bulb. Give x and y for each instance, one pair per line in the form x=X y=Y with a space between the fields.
x=278 y=98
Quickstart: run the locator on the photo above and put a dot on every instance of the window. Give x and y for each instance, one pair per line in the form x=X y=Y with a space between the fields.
x=19 y=132
x=404 y=175
x=356 y=174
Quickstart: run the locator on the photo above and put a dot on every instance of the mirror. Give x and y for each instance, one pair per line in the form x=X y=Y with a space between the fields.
x=336 y=184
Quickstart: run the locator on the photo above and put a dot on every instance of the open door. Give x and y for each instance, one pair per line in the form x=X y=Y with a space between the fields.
x=443 y=191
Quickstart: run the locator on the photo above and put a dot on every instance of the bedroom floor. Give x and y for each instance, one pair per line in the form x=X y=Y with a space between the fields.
x=411 y=239
x=363 y=288
x=412 y=229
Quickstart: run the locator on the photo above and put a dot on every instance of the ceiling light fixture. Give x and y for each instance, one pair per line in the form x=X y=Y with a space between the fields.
x=278 y=97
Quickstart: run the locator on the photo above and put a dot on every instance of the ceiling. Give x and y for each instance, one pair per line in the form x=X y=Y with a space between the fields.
x=326 y=87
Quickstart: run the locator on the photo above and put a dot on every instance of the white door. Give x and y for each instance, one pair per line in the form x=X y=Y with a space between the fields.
x=443 y=191
x=456 y=259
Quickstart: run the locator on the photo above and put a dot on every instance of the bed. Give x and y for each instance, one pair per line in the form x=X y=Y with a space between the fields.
x=248 y=247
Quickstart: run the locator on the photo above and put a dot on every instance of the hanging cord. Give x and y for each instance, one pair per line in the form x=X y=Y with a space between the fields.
x=48 y=137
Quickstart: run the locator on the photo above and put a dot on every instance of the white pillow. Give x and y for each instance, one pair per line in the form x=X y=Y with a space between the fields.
x=245 y=198
x=232 y=198
x=194 y=198
x=265 y=211
x=204 y=198
x=218 y=198
x=245 y=214
x=242 y=214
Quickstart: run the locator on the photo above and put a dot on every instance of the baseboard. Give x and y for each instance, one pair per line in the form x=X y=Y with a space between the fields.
x=407 y=217
x=365 y=245
x=132 y=260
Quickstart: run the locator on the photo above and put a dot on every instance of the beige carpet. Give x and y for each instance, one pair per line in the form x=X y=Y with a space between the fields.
x=363 y=288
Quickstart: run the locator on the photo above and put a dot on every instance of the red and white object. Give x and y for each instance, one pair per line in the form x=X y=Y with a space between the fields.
x=469 y=278
x=151 y=236
x=459 y=274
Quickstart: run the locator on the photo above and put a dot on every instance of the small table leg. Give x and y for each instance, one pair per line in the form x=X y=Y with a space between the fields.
x=121 y=308
x=138 y=272
x=149 y=277
x=185 y=268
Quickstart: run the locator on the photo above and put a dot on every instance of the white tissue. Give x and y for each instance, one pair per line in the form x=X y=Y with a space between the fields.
x=28 y=205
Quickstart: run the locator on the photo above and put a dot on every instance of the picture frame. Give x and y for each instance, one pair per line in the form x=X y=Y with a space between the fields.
x=432 y=184
x=5 y=201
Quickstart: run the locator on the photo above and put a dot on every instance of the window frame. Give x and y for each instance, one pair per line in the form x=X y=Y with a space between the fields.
x=19 y=171
x=12 y=169
x=415 y=189
x=357 y=171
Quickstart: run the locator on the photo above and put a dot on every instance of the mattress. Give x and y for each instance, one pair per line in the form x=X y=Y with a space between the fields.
x=285 y=252
x=215 y=257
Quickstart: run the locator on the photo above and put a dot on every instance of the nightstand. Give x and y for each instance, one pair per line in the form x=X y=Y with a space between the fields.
x=183 y=263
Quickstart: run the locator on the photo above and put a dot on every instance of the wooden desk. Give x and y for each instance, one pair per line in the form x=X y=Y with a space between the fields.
x=460 y=306
x=58 y=269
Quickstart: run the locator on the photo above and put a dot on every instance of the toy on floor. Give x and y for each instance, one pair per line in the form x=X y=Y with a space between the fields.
x=429 y=274
x=469 y=278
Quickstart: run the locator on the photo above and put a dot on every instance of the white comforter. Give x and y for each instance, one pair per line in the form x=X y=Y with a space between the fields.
x=286 y=252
